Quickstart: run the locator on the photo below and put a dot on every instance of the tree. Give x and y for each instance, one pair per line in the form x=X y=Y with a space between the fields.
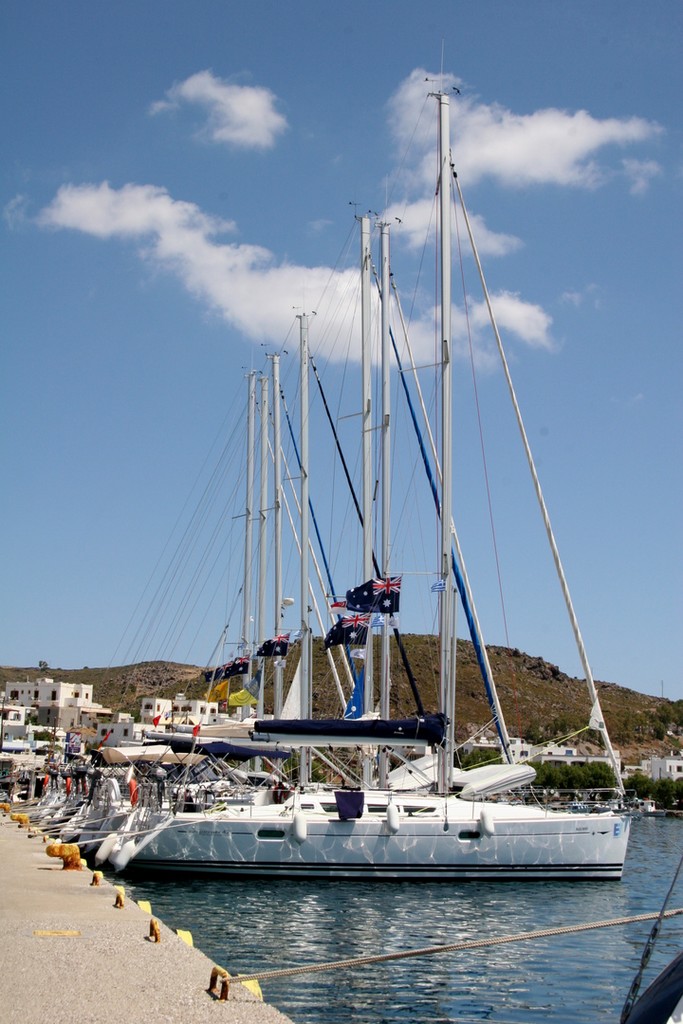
x=664 y=792
x=42 y=665
x=642 y=785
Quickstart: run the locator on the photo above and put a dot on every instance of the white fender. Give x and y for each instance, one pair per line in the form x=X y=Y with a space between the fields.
x=119 y=859
x=393 y=819
x=487 y=822
x=106 y=847
x=299 y=827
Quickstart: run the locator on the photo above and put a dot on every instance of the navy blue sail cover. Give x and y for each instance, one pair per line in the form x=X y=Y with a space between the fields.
x=429 y=729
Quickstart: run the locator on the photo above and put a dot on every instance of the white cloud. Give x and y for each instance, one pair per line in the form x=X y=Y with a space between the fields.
x=640 y=173
x=240 y=115
x=548 y=146
x=414 y=220
x=576 y=297
x=14 y=212
x=528 y=322
x=256 y=293
x=243 y=283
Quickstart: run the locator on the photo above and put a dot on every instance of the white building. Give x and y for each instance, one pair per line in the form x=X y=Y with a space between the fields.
x=667 y=767
x=47 y=691
x=13 y=728
x=179 y=711
x=120 y=731
x=550 y=753
x=56 y=705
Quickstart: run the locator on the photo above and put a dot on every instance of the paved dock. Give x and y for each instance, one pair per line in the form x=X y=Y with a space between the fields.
x=67 y=954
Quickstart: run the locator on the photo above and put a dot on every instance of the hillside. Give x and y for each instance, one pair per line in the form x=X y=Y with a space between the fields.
x=539 y=701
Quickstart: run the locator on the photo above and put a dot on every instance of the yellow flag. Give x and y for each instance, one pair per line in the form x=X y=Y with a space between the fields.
x=241 y=699
x=219 y=692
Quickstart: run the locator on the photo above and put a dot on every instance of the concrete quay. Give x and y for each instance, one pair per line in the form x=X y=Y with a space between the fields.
x=68 y=954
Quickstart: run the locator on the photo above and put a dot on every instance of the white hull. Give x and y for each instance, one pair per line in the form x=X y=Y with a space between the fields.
x=474 y=841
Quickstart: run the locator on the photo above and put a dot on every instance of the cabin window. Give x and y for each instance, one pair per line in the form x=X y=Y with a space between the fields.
x=469 y=834
x=271 y=833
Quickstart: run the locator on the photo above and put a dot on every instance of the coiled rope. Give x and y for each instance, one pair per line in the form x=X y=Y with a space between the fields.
x=454 y=947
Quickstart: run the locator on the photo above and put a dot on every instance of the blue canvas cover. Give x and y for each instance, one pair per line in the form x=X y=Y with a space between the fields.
x=350 y=804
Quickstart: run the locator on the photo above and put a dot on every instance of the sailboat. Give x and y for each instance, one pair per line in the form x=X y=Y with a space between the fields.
x=382 y=832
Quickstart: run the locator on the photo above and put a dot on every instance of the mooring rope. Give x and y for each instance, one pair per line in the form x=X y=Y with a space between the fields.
x=453 y=947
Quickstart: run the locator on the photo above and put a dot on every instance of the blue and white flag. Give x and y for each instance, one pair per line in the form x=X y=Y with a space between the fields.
x=438 y=587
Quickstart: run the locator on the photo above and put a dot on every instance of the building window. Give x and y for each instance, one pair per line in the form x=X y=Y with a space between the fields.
x=54 y=695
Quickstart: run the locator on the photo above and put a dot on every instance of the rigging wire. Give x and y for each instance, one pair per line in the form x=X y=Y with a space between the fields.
x=482 y=445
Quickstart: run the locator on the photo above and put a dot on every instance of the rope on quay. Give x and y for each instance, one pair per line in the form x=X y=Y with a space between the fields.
x=288 y=972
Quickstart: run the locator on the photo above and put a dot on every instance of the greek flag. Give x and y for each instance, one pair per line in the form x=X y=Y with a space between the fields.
x=438 y=587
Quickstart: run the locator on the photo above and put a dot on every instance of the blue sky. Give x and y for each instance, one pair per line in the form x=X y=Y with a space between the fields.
x=180 y=181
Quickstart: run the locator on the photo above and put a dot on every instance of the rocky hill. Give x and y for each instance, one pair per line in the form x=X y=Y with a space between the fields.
x=539 y=701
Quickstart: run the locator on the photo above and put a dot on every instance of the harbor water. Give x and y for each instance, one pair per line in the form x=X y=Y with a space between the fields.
x=575 y=978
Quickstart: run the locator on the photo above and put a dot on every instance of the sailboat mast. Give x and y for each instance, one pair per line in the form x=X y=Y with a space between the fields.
x=262 y=550
x=366 y=415
x=249 y=507
x=446 y=678
x=385 y=680
x=277 y=530
x=305 y=665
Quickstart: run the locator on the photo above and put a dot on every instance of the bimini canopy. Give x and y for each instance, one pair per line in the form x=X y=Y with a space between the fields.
x=423 y=731
x=157 y=752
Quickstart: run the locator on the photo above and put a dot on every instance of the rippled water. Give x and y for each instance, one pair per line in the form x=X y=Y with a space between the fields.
x=570 y=979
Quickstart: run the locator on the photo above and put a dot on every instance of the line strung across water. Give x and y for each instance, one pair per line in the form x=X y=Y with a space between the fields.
x=453 y=947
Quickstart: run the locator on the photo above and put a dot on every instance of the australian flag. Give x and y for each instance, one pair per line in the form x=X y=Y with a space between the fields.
x=238 y=667
x=277 y=647
x=350 y=629
x=214 y=675
x=376 y=596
